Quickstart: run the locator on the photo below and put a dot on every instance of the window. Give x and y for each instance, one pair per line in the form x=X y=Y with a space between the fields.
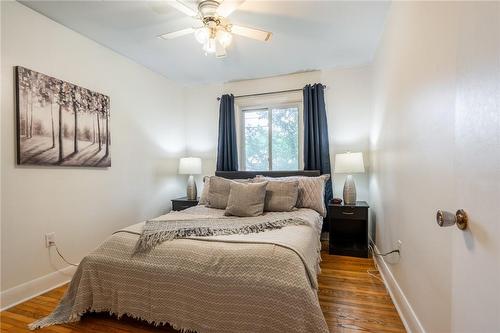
x=270 y=138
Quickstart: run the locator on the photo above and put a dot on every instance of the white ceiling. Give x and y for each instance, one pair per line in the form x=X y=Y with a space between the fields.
x=307 y=35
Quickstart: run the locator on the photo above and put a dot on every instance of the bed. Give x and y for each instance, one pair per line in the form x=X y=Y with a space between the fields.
x=256 y=282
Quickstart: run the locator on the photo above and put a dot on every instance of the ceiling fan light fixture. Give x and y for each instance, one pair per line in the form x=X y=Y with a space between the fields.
x=209 y=46
x=220 y=50
x=217 y=32
x=202 y=35
x=224 y=37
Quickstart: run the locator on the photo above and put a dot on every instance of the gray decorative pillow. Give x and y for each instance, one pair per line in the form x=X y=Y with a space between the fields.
x=311 y=191
x=246 y=199
x=218 y=191
x=281 y=196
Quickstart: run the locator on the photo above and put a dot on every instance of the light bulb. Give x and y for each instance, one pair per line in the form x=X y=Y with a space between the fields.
x=209 y=46
x=224 y=37
x=202 y=35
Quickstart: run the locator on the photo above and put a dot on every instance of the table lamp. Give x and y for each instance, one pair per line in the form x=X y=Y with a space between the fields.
x=190 y=166
x=349 y=163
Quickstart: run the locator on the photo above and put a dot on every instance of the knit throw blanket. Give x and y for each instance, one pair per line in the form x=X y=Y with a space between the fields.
x=156 y=232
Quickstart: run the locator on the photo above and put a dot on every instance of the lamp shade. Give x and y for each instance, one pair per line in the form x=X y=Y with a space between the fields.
x=190 y=166
x=349 y=163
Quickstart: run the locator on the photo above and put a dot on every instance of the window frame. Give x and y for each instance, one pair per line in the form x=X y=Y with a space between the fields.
x=241 y=109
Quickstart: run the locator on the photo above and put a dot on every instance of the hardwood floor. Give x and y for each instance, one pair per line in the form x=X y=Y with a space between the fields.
x=351 y=300
x=354 y=301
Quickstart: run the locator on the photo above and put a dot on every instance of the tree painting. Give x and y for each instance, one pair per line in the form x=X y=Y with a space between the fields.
x=59 y=123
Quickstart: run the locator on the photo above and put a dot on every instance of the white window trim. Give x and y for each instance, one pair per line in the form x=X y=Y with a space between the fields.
x=268 y=102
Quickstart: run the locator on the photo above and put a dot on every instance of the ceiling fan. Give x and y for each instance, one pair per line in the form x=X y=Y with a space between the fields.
x=215 y=32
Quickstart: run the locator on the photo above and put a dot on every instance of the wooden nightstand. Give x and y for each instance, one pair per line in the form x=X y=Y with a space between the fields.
x=183 y=203
x=349 y=229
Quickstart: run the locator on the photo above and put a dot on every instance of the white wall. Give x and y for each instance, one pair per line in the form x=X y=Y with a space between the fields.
x=436 y=92
x=83 y=205
x=347 y=99
x=348 y=103
x=201 y=109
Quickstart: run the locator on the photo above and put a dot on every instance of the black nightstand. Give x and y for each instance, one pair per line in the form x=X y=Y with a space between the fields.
x=349 y=229
x=183 y=203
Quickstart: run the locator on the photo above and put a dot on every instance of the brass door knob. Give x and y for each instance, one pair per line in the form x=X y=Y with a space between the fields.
x=446 y=219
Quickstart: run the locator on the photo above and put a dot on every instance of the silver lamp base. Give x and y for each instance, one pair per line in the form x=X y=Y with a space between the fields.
x=191 y=191
x=349 y=191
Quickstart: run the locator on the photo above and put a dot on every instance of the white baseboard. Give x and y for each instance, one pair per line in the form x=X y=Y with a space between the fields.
x=33 y=288
x=405 y=311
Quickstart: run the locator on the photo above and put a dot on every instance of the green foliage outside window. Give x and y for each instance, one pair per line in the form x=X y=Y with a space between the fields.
x=285 y=139
x=256 y=140
x=284 y=136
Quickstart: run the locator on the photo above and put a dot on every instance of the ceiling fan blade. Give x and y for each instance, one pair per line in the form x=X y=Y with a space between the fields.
x=182 y=7
x=228 y=6
x=257 y=34
x=220 y=51
x=178 y=33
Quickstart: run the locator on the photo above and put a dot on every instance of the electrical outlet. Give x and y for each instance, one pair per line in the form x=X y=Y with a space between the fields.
x=50 y=239
x=399 y=244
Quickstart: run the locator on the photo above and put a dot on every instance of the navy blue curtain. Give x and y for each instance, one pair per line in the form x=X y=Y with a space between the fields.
x=316 y=147
x=227 y=152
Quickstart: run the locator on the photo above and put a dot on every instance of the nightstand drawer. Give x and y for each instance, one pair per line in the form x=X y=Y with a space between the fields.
x=349 y=213
x=180 y=206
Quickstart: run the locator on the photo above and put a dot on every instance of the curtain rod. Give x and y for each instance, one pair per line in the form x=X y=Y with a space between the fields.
x=269 y=93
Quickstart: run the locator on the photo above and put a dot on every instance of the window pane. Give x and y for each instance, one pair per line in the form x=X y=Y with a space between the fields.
x=256 y=140
x=285 y=138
